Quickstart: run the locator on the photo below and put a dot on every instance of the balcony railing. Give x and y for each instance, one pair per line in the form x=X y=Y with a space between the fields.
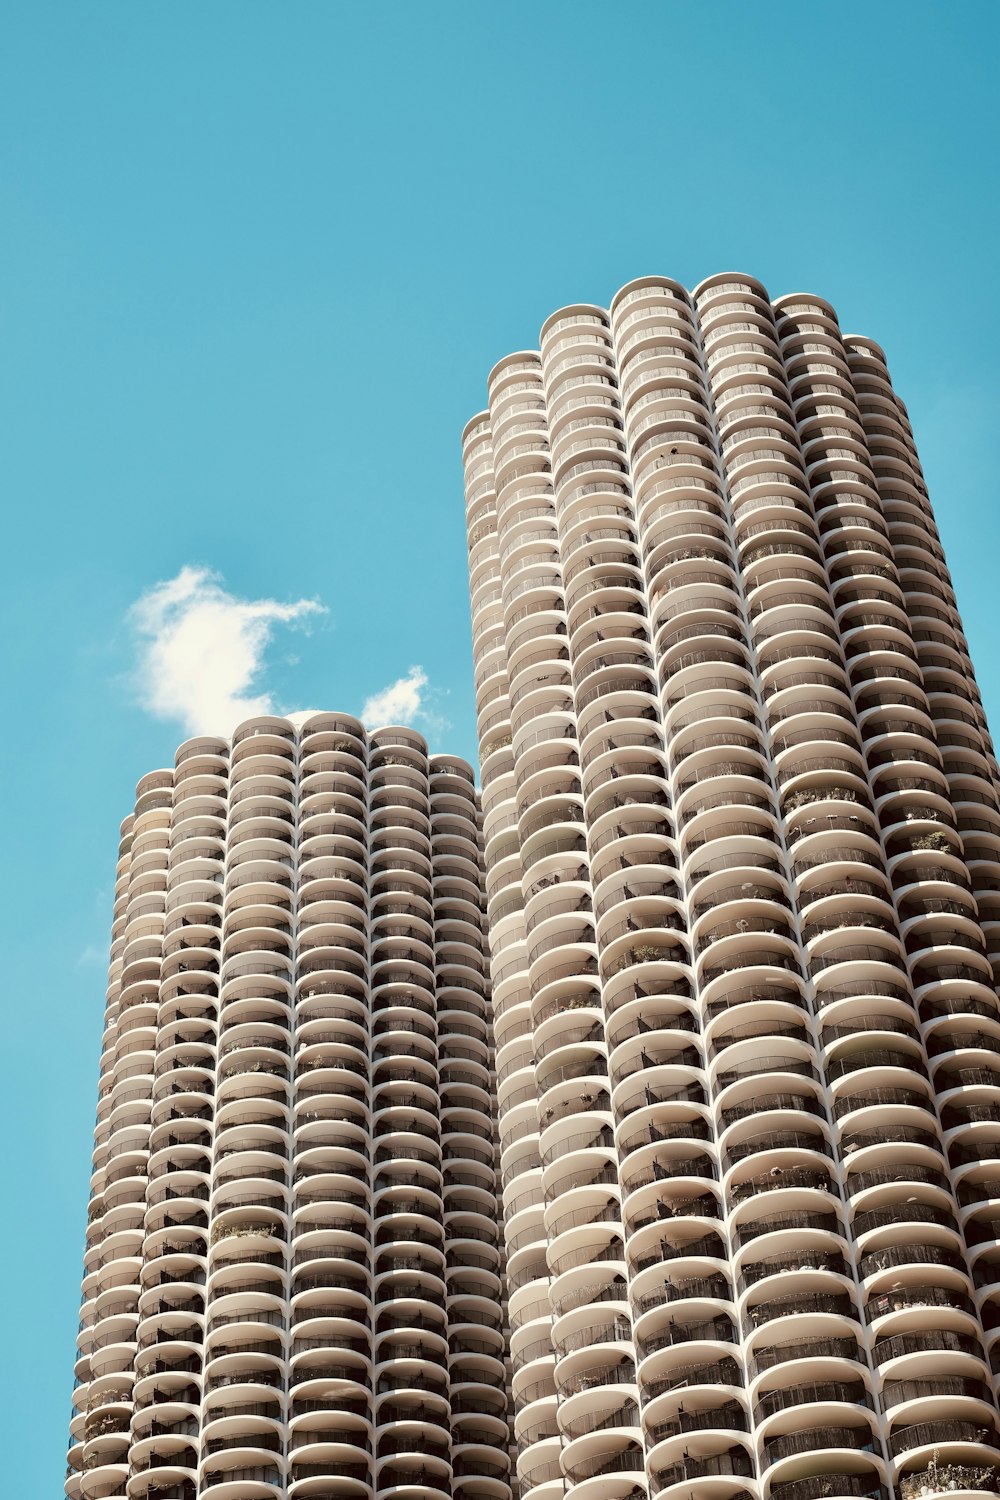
x=731 y=1417
x=734 y=1461
x=792 y=1220
x=724 y=1372
x=918 y=1296
x=841 y=1348
x=719 y=1330
x=940 y=1433
x=851 y=1392
x=815 y=1302
x=821 y=1486
x=933 y=1339
x=810 y=1259
x=810 y=1440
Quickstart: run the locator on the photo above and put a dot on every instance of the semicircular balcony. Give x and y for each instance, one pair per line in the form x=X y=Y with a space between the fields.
x=98 y=1457
x=329 y=1080
x=246 y=1041
x=338 y=1024
x=242 y=1319
x=332 y=732
x=657 y=359
x=932 y=1344
x=623 y=689
x=168 y=1412
x=248 y=1378
x=642 y=1012
x=413 y=1476
x=889 y=1200
x=719 y=1466
x=394 y=981
x=750 y=1011
x=168 y=1459
x=693 y=1332
x=688 y=565
x=605 y=1371
x=331 y=912
x=538 y=1471
x=667 y=516
x=330 y=1449
x=972 y=1479
x=254 y=1228
x=263 y=733
x=811 y=1457
x=193 y=918
x=711 y=706
x=331 y=784
x=243 y=1467
x=480 y=1467
x=709 y=1405
x=607 y=1463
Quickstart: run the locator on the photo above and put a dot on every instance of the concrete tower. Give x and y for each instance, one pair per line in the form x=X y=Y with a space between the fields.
x=292 y=1276
x=742 y=850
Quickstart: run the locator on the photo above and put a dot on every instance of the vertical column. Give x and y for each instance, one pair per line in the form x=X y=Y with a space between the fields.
x=331 y=1373
x=692 y=1375
x=815 y=766
x=246 y=1345
x=413 y=1454
x=107 y=1341
x=532 y=635
x=170 y=1357
x=477 y=1384
x=499 y=855
x=610 y=685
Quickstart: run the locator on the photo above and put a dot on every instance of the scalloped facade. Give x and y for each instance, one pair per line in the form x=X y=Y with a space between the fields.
x=292 y=1273
x=742 y=848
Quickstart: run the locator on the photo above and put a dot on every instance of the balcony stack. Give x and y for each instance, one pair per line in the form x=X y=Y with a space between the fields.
x=292 y=1277
x=742 y=845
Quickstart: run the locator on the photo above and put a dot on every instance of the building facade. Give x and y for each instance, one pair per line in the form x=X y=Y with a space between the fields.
x=292 y=1274
x=742 y=849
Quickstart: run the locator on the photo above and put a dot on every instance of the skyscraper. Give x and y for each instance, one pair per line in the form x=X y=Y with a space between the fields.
x=292 y=1275
x=749 y=1155
x=742 y=849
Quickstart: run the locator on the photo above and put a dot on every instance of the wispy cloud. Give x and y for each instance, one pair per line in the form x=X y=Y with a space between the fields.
x=90 y=955
x=201 y=650
x=399 y=703
x=405 y=701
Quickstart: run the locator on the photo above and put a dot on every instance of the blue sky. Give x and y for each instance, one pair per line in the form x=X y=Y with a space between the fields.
x=255 y=263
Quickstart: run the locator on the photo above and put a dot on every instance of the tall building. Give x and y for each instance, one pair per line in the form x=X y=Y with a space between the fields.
x=292 y=1275
x=742 y=849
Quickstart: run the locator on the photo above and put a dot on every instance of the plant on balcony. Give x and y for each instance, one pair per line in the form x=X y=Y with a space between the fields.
x=235 y=1231
x=825 y=794
x=938 y=1477
x=643 y=954
x=113 y=1422
x=936 y=841
x=581 y=1002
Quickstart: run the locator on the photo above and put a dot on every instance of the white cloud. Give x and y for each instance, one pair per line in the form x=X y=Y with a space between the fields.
x=202 y=650
x=399 y=703
x=404 y=701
